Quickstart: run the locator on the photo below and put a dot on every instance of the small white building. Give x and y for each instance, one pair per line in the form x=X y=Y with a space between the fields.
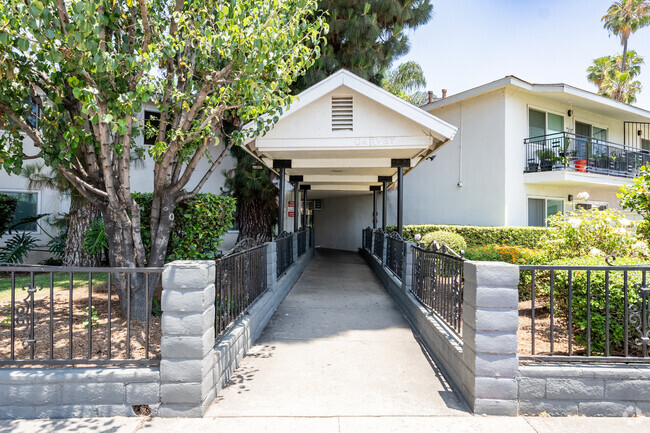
x=523 y=152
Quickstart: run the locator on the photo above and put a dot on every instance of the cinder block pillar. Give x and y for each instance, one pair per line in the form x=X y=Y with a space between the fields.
x=271 y=264
x=407 y=267
x=294 y=240
x=490 y=325
x=383 y=250
x=187 y=345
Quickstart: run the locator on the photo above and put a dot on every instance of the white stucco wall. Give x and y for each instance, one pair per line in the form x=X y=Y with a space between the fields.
x=475 y=158
x=339 y=224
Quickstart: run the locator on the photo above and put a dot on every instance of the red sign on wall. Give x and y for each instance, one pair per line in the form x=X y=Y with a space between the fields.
x=291 y=209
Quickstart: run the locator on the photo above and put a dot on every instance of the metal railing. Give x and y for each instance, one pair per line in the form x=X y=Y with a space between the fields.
x=302 y=242
x=567 y=151
x=366 y=238
x=395 y=254
x=284 y=251
x=378 y=245
x=438 y=283
x=239 y=280
x=586 y=313
x=52 y=315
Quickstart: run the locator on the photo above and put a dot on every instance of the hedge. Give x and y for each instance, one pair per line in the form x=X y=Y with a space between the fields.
x=477 y=236
x=199 y=224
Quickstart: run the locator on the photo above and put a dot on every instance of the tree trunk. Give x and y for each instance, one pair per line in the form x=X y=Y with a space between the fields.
x=255 y=220
x=624 y=65
x=80 y=216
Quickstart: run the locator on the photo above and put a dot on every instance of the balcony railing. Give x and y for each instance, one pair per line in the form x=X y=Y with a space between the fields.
x=566 y=151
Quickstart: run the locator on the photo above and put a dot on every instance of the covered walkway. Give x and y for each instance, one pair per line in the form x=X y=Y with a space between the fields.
x=337 y=346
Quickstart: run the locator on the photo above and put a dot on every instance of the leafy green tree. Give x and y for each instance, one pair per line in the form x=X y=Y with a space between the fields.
x=613 y=80
x=636 y=198
x=406 y=81
x=90 y=66
x=625 y=17
x=365 y=37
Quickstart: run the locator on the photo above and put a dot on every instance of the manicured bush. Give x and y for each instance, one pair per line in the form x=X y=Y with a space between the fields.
x=597 y=300
x=452 y=240
x=505 y=253
x=582 y=232
x=477 y=236
x=199 y=224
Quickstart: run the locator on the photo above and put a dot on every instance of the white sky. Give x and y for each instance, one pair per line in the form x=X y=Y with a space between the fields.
x=472 y=42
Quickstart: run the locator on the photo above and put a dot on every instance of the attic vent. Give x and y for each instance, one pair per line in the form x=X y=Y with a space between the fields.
x=341 y=113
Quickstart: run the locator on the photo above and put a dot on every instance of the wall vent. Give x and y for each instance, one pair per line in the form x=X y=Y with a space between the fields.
x=342 y=113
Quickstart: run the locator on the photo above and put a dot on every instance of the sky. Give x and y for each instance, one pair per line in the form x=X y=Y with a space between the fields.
x=472 y=42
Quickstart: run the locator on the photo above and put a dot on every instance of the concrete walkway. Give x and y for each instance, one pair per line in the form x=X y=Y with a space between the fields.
x=337 y=346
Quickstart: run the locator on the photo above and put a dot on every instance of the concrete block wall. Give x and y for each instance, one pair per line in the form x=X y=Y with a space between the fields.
x=490 y=322
x=77 y=392
x=591 y=390
x=187 y=344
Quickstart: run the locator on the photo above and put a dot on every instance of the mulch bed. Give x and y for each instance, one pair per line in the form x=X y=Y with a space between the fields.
x=543 y=332
x=82 y=348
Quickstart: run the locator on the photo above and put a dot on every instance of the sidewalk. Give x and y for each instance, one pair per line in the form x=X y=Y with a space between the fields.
x=454 y=424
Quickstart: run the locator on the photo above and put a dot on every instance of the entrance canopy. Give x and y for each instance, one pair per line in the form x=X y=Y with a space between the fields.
x=344 y=135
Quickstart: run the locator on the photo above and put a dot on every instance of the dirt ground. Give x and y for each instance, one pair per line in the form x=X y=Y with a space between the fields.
x=542 y=332
x=79 y=344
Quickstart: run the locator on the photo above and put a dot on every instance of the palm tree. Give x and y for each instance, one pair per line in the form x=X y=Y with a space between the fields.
x=625 y=17
x=615 y=80
x=407 y=82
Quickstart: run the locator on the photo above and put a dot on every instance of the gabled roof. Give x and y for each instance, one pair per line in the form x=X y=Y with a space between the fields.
x=346 y=78
x=511 y=80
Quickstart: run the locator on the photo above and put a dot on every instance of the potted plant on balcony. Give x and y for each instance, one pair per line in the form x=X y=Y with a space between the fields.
x=547 y=158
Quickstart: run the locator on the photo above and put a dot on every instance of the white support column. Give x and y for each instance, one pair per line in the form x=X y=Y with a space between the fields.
x=490 y=322
x=294 y=241
x=407 y=267
x=271 y=264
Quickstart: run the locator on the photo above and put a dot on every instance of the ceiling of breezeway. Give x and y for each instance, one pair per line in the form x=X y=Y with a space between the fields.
x=343 y=133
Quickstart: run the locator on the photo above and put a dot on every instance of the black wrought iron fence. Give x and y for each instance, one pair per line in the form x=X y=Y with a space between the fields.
x=585 y=313
x=239 y=280
x=378 y=245
x=302 y=242
x=366 y=238
x=438 y=283
x=395 y=254
x=52 y=315
x=284 y=251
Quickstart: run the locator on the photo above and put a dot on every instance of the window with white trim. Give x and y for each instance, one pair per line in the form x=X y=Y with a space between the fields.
x=539 y=209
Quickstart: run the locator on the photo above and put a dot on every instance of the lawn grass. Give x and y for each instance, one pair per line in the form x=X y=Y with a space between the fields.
x=60 y=281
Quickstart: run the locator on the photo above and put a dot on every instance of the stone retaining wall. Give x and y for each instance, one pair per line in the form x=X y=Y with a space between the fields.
x=592 y=390
x=77 y=392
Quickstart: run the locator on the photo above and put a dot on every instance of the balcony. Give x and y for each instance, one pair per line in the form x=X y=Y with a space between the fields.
x=576 y=153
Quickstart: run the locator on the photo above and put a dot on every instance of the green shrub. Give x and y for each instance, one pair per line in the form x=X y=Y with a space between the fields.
x=505 y=253
x=593 y=231
x=199 y=224
x=452 y=240
x=477 y=236
x=597 y=300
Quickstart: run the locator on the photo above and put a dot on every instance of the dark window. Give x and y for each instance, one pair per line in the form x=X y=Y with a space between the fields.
x=27 y=207
x=151 y=120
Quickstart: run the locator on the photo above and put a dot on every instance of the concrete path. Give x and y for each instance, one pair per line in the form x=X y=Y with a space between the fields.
x=337 y=346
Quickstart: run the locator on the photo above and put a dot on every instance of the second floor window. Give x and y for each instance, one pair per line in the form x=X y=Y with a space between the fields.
x=544 y=123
